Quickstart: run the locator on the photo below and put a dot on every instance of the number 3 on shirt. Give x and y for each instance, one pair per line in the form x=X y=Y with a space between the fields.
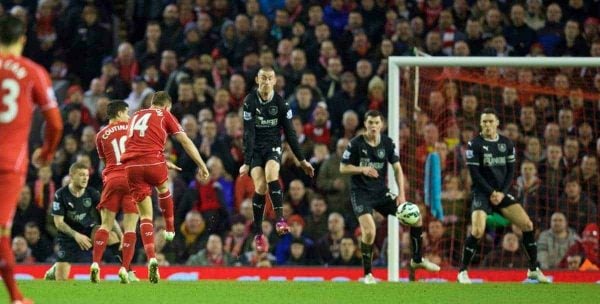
x=119 y=147
x=140 y=124
x=9 y=100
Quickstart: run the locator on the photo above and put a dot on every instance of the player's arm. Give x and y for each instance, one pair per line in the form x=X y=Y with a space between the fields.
x=394 y=159
x=249 y=130
x=474 y=163
x=285 y=115
x=350 y=163
x=510 y=169
x=399 y=174
x=291 y=137
x=43 y=96
x=192 y=151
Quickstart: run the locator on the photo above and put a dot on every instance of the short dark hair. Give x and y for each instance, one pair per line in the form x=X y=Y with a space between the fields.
x=489 y=111
x=373 y=113
x=11 y=29
x=161 y=99
x=116 y=106
x=77 y=166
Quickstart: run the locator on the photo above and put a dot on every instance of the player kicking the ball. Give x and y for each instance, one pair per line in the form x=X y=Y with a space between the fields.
x=491 y=161
x=110 y=142
x=265 y=114
x=366 y=159
x=145 y=167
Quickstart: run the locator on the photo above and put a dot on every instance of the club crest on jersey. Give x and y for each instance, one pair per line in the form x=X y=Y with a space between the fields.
x=502 y=147
x=87 y=202
x=381 y=153
x=273 y=110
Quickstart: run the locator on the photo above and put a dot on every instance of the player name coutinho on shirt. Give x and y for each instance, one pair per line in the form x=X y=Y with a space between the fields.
x=13 y=66
x=112 y=130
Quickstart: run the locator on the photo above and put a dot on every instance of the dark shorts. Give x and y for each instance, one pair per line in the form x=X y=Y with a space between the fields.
x=69 y=252
x=382 y=202
x=482 y=202
x=261 y=156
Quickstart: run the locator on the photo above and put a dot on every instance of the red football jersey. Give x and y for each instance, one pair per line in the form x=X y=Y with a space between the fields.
x=148 y=131
x=110 y=142
x=23 y=84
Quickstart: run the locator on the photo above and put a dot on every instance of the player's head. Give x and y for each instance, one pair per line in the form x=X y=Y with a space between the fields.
x=373 y=122
x=266 y=79
x=489 y=122
x=80 y=174
x=118 y=110
x=12 y=31
x=161 y=99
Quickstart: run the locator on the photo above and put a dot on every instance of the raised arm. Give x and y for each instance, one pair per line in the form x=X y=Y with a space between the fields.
x=192 y=151
x=249 y=130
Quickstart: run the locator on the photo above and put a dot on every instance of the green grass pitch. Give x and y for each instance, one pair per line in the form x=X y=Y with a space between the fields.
x=304 y=292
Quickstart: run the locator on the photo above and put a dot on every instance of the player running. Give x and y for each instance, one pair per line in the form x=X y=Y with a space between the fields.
x=265 y=114
x=366 y=159
x=491 y=160
x=145 y=167
x=110 y=142
x=23 y=84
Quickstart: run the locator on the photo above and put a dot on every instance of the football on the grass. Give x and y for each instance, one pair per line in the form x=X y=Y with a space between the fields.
x=408 y=213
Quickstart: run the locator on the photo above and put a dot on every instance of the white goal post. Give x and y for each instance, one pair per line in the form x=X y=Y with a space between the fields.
x=393 y=118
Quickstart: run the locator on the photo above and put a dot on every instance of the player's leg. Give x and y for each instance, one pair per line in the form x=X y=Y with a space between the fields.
x=62 y=271
x=10 y=187
x=258 y=206
x=272 y=177
x=478 y=218
x=165 y=202
x=517 y=215
x=388 y=207
x=367 y=238
x=129 y=240
x=100 y=242
x=141 y=191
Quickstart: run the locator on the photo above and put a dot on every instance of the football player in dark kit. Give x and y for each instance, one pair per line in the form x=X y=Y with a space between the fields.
x=265 y=113
x=366 y=158
x=491 y=161
x=75 y=216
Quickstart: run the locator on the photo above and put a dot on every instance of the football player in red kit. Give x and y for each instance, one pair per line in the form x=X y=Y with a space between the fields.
x=146 y=168
x=23 y=85
x=110 y=142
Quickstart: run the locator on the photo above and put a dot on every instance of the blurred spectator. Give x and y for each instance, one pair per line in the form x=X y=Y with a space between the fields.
x=550 y=34
x=588 y=177
x=190 y=238
x=576 y=206
x=316 y=222
x=283 y=249
x=348 y=255
x=41 y=248
x=148 y=50
x=508 y=256
x=139 y=92
x=206 y=197
x=299 y=197
x=328 y=245
x=212 y=255
x=335 y=186
x=588 y=248
x=519 y=34
x=237 y=241
x=27 y=212
x=21 y=251
x=91 y=96
x=572 y=43
x=554 y=242
x=319 y=129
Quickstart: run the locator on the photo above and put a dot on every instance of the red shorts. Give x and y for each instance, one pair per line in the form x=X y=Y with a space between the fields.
x=116 y=196
x=11 y=184
x=142 y=178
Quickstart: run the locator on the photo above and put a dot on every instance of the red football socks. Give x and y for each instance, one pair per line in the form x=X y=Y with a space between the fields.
x=165 y=201
x=147 y=230
x=100 y=240
x=128 y=248
x=7 y=264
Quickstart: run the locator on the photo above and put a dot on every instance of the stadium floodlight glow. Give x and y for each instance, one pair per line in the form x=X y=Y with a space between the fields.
x=395 y=64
